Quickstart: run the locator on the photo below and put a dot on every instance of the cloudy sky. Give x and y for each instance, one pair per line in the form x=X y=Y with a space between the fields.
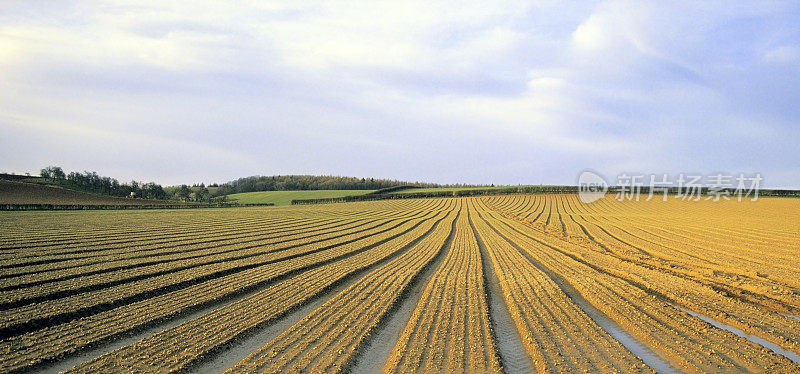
x=507 y=93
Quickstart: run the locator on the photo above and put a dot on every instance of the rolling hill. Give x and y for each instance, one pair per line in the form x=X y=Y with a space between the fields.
x=22 y=193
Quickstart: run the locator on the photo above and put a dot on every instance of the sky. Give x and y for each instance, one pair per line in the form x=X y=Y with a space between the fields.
x=448 y=92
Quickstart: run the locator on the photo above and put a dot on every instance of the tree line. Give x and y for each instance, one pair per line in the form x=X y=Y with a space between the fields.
x=309 y=182
x=197 y=192
x=94 y=183
x=90 y=181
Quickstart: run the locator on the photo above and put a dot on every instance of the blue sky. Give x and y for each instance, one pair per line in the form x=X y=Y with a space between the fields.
x=449 y=92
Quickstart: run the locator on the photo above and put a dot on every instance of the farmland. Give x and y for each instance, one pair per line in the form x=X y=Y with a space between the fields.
x=513 y=283
x=286 y=197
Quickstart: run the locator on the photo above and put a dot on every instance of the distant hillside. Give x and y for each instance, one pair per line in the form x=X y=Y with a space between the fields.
x=13 y=192
x=309 y=182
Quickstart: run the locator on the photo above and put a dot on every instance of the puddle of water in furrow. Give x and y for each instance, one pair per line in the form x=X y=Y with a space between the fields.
x=755 y=339
x=512 y=352
x=616 y=331
x=248 y=344
x=792 y=316
x=86 y=355
x=377 y=351
x=379 y=347
x=509 y=342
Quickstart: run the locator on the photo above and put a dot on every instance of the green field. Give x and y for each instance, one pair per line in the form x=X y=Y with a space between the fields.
x=286 y=197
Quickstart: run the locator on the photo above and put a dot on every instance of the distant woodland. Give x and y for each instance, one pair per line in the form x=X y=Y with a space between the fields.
x=309 y=182
x=90 y=181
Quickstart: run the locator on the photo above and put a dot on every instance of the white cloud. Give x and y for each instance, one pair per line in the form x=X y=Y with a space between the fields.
x=785 y=54
x=594 y=34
